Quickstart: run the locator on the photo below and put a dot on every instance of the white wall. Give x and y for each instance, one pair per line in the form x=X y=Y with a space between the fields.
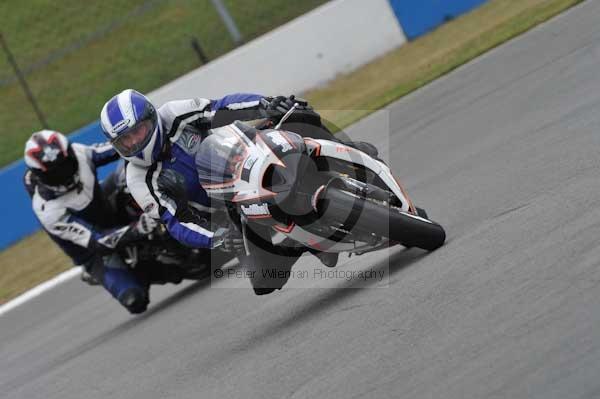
x=335 y=38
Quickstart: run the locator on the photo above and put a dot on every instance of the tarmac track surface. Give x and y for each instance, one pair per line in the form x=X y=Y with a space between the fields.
x=504 y=152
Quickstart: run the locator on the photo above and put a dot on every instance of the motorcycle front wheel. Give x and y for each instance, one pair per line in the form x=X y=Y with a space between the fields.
x=375 y=217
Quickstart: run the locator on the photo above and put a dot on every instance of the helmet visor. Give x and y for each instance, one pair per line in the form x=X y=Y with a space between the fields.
x=134 y=139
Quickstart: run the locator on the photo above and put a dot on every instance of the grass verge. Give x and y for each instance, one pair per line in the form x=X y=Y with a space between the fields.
x=419 y=62
x=77 y=54
x=28 y=263
x=37 y=258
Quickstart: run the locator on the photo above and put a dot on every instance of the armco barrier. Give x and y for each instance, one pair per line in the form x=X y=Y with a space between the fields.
x=418 y=17
x=18 y=219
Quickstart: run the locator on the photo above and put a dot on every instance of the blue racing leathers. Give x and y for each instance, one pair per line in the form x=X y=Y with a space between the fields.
x=184 y=124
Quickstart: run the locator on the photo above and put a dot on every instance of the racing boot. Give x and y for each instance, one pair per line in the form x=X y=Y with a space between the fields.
x=328 y=259
x=134 y=300
x=88 y=278
x=263 y=291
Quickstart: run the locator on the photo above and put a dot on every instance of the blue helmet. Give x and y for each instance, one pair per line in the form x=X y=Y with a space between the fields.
x=131 y=123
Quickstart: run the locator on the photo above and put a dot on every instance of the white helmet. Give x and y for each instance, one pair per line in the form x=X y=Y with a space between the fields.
x=131 y=123
x=49 y=156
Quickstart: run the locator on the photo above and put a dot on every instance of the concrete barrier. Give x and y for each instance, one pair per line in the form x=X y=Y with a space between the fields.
x=334 y=38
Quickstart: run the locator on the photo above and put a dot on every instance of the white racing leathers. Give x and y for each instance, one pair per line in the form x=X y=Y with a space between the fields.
x=82 y=223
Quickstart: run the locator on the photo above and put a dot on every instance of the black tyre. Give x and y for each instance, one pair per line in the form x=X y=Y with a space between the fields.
x=422 y=212
x=373 y=217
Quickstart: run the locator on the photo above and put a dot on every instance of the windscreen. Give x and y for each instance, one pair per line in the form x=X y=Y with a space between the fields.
x=220 y=158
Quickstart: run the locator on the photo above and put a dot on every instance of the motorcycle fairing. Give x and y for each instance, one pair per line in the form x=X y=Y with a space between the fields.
x=244 y=162
x=343 y=152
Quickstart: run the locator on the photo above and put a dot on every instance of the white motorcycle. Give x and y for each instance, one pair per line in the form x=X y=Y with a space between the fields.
x=318 y=194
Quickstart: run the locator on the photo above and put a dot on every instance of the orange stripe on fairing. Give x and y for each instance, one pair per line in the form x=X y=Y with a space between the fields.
x=258 y=216
x=285 y=136
x=279 y=162
x=317 y=151
x=411 y=207
x=286 y=229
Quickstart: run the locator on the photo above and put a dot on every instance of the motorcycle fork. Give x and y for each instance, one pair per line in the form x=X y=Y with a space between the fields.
x=244 y=223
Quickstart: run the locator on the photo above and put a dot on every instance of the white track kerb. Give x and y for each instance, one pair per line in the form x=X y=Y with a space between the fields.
x=40 y=289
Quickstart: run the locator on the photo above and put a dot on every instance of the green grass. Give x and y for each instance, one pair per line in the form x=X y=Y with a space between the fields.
x=28 y=263
x=413 y=65
x=135 y=43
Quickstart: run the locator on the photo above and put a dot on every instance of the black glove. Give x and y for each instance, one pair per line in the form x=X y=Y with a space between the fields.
x=275 y=107
x=228 y=240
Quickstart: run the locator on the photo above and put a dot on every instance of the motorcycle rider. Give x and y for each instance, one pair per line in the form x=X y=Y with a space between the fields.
x=70 y=204
x=160 y=146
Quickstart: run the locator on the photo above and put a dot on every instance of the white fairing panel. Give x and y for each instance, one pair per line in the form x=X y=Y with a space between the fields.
x=346 y=153
x=246 y=163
